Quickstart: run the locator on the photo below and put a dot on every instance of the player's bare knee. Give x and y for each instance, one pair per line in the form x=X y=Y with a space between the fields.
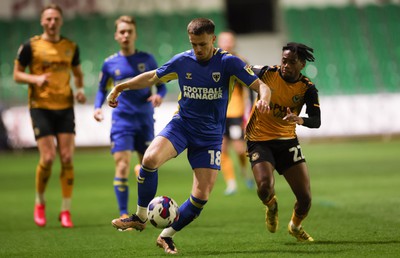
x=150 y=161
x=122 y=167
x=265 y=186
x=47 y=159
x=66 y=157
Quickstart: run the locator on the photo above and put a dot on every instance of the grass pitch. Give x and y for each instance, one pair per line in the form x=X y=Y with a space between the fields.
x=355 y=212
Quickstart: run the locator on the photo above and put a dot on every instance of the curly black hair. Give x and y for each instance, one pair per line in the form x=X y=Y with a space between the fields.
x=303 y=52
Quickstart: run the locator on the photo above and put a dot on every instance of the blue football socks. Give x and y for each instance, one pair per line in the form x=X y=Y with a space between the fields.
x=121 y=189
x=188 y=211
x=147 y=185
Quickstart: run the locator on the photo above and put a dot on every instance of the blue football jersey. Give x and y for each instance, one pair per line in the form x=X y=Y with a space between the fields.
x=205 y=88
x=118 y=68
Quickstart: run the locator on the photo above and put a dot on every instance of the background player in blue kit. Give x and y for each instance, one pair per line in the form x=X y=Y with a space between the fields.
x=206 y=76
x=132 y=122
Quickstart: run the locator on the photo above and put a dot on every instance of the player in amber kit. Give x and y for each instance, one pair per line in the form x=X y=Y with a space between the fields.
x=238 y=108
x=51 y=58
x=271 y=137
x=132 y=121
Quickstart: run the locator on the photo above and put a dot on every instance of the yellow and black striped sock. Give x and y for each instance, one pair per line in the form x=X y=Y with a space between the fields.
x=297 y=219
x=43 y=174
x=271 y=203
x=67 y=180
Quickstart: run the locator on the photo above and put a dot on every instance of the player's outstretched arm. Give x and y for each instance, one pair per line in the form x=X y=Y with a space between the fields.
x=141 y=81
x=264 y=93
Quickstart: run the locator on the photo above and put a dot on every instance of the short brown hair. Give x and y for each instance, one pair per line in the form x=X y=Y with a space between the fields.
x=199 y=26
x=52 y=6
x=126 y=19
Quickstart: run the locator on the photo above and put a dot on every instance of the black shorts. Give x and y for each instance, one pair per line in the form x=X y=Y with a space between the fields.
x=234 y=128
x=52 y=122
x=282 y=154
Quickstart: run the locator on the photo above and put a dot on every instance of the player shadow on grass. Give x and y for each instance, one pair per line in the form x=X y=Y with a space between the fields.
x=96 y=225
x=296 y=251
x=256 y=253
x=352 y=242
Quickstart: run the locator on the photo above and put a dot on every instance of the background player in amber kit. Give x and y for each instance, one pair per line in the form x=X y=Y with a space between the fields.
x=132 y=121
x=51 y=58
x=236 y=114
x=271 y=137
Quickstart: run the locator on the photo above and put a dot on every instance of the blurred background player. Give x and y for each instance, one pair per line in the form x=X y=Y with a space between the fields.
x=205 y=76
x=132 y=121
x=236 y=116
x=271 y=137
x=51 y=58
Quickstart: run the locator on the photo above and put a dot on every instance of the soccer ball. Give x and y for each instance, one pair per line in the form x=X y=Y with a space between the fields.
x=162 y=211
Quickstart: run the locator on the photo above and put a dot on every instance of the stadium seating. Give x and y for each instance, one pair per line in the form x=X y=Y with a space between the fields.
x=356 y=48
x=161 y=34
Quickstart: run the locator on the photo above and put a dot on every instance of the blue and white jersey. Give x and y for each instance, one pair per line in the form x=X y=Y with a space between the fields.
x=205 y=88
x=118 y=68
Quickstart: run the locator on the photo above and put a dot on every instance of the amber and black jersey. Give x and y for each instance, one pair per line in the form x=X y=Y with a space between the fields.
x=237 y=103
x=55 y=58
x=269 y=126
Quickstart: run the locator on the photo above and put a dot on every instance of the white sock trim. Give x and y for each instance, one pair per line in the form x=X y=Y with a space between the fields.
x=168 y=232
x=293 y=226
x=39 y=198
x=141 y=212
x=66 y=204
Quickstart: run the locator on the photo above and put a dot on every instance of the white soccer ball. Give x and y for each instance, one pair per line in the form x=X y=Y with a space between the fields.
x=162 y=211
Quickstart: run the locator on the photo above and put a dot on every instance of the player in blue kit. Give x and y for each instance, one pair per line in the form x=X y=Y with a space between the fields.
x=206 y=77
x=132 y=122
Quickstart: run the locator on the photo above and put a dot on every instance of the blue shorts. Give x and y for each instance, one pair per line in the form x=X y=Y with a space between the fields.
x=201 y=152
x=133 y=133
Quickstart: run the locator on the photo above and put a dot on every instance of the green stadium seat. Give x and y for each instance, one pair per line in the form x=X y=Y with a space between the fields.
x=359 y=41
